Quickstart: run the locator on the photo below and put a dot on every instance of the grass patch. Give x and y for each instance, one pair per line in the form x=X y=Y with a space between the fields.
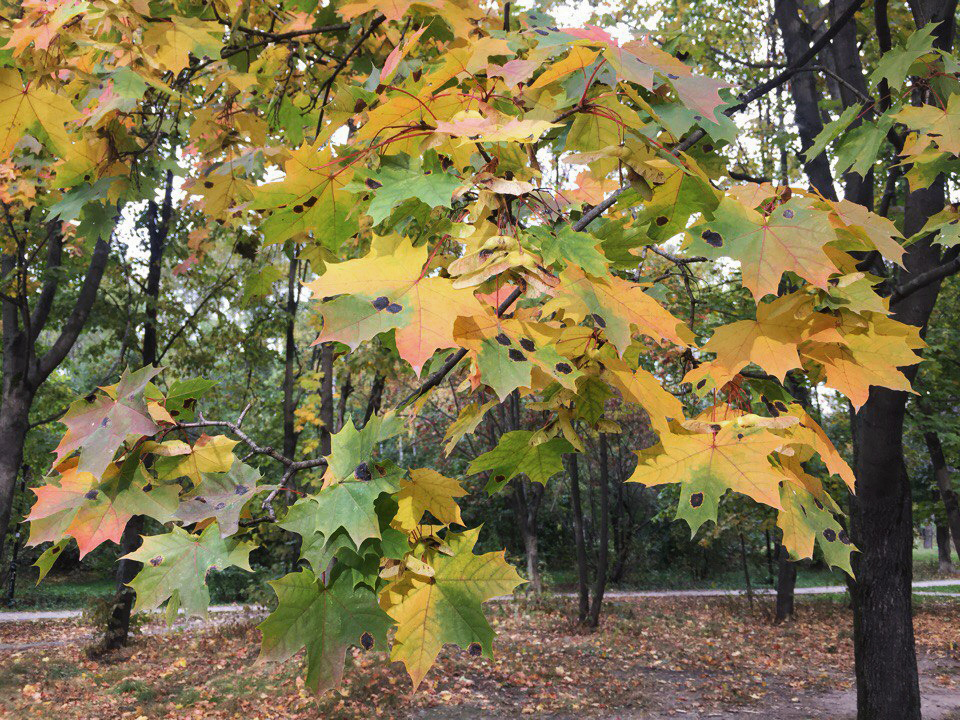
x=136 y=687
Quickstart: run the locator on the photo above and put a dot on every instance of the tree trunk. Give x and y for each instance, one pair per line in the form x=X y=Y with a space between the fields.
x=786 y=583
x=600 y=580
x=941 y=473
x=14 y=420
x=527 y=496
x=326 y=397
x=576 y=509
x=290 y=434
x=158 y=227
x=943 y=548
x=888 y=685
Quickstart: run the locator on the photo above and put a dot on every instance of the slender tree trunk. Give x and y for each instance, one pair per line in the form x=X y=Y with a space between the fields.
x=158 y=227
x=326 y=397
x=746 y=569
x=576 y=509
x=14 y=414
x=941 y=473
x=943 y=548
x=600 y=580
x=786 y=582
x=290 y=434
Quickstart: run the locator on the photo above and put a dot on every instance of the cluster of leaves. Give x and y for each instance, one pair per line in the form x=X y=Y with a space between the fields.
x=416 y=186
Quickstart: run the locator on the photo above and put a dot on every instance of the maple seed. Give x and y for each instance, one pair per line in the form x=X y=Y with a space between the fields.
x=830 y=535
x=502 y=339
x=366 y=641
x=393 y=308
x=157 y=560
x=696 y=500
x=516 y=355
x=474 y=649
x=712 y=238
x=362 y=472
x=381 y=302
x=91 y=495
x=563 y=368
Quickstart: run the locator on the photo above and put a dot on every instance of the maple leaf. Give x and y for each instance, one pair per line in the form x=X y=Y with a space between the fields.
x=78 y=504
x=516 y=453
x=98 y=427
x=221 y=496
x=176 y=564
x=640 y=387
x=467 y=421
x=428 y=491
x=208 y=455
x=770 y=341
x=350 y=505
x=312 y=197
x=447 y=607
x=396 y=181
x=326 y=620
x=707 y=464
x=508 y=352
x=351 y=448
x=615 y=305
x=23 y=107
x=791 y=238
x=388 y=289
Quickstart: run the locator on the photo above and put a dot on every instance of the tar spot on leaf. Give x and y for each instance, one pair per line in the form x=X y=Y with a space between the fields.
x=502 y=339
x=381 y=302
x=527 y=344
x=843 y=538
x=599 y=320
x=662 y=220
x=672 y=76
x=701 y=384
x=219 y=506
x=366 y=641
x=780 y=405
x=393 y=308
x=298 y=209
x=240 y=489
x=516 y=355
x=362 y=472
x=788 y=213
x=818 y=504
x=91 y=495
x=372 y=184
x=157 y=560
x=696 y=500
x=562 y=367
x=712 y=238
x=474 y=649
x=207 y=184
x=830 y=535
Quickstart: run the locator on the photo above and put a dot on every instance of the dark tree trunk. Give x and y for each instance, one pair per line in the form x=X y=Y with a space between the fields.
x=887 y=678
x=579 y=543
x=941 y=473
x=290 y=434
x=326 y=397
x=945 y=564
x=376 y=397
x=786 y=583
x=527 y=497
x=158 y=227
x=600 y=580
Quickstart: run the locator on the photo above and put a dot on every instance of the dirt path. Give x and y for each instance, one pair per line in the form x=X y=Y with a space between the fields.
x=33 y=615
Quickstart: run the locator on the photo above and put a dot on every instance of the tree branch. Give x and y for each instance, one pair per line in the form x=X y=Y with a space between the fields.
x=49 y=291
x=949 y=267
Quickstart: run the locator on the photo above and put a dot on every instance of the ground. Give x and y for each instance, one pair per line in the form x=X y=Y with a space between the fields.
x=653 y=658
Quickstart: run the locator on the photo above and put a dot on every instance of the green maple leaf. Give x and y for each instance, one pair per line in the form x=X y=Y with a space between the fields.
x=565 y=244
x=324 y=620
x=447 y=608
x=350 y=505
x=350 y=448
x=175 y=567
x=393 y=183
x=515 y=454
x=98 y=428
x=895 y=65
x=222 y=496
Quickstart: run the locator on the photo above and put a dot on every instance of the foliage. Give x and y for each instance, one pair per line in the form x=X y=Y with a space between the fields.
x=416 y=185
